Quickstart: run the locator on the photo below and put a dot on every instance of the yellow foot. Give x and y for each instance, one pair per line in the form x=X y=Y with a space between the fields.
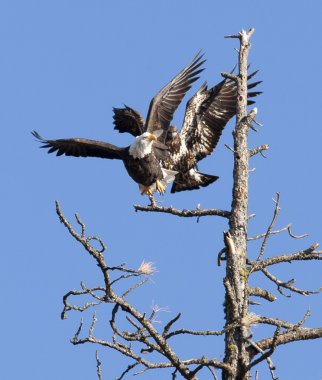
x=160 y=188
x=147 y=191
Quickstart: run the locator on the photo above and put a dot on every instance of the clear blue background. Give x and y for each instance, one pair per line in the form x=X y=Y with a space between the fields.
x=63 y=66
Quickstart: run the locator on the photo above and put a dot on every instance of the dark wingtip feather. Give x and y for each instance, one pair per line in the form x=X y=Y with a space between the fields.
x=195 y=62
x=234 y=68
x=52 y=148
x=252 y=74
x=198 y=72
x=203 y=87
x=254 y=84
x=254 y=93
x=198 y=56
x=204 y=181
x=37 y=136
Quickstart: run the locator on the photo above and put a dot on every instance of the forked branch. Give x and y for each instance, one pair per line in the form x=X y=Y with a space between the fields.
x=141 y=327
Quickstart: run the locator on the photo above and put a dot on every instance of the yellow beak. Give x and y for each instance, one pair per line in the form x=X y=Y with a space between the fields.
x=152 y=137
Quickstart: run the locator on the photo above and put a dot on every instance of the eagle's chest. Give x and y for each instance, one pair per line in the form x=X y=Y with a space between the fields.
x=144 y=171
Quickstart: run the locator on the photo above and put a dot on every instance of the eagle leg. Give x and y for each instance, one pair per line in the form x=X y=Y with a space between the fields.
x=159 y=187
x=153 y=201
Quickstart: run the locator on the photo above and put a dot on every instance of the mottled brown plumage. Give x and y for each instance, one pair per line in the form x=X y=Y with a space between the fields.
x=207 y=114
x=167 y=100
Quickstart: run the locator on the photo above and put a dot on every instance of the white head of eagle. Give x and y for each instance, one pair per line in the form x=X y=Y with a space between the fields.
x=142 y=144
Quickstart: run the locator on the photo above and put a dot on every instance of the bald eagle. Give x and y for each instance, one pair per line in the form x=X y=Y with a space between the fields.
x=143 y=158
x=206 y=115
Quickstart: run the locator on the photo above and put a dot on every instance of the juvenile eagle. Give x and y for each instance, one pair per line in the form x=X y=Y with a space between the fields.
x=143 y=158
x=207 y=114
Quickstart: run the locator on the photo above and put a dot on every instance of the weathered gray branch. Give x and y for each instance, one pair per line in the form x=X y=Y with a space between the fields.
x=198 y=213
x=267 y=354
x=98 y=367
x=267 y=235
x=270 y=364
x=257 y=150
x=127 y=370
x=306 y=254
x=280 y=323
x=288 y=337
x=286 y=228
x=288 y=285
x=144 y=332
x=262 y=293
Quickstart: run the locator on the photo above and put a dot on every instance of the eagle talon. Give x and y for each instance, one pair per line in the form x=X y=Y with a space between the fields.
x=147 y=191
x=159 y=187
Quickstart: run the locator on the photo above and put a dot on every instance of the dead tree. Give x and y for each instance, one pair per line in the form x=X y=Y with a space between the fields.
x=242 y=351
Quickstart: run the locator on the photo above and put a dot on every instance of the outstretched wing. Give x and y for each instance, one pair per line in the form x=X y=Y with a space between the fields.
x=167 y=100
x=207 y=114
x=81 y=148
x=128 y=120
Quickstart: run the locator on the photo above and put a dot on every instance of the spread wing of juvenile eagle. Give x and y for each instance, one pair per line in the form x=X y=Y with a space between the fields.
x=167 y=100
x=207 y=114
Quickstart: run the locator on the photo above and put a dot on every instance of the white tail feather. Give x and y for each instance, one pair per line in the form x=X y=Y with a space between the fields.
x=168 y=176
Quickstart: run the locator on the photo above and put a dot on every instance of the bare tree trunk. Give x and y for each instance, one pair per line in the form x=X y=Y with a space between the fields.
x=236 y=239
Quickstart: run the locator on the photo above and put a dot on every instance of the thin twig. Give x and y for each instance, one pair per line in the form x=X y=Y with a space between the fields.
x=128 y=369
x=286 y=228
x=257 y=150
x=267 y=354
x=192 y=332
x=98 y=366
x=124 y=295
x=306 y=254
x=168 y=326
x=230 y=148
x=301 y=333
x=229 y=76
x=270 y=364
x=277 y=208
x=288 y=285
x=213 y=372
x=220 y=256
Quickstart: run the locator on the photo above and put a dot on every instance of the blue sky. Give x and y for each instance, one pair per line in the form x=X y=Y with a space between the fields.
x=64 y=65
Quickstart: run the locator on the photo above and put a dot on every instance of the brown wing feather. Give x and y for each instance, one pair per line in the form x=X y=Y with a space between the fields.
x=128 y=120
x=164 y=104
x=207 y=114
x=82 y=148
